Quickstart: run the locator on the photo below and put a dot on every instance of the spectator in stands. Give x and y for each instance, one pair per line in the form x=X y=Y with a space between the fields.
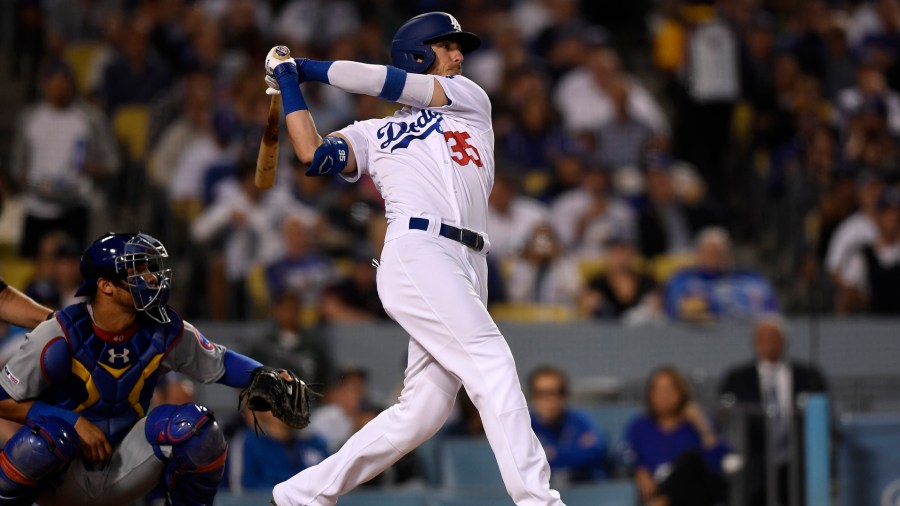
x=354 y=299
x=185 y=187
x=62 y=146
x=179 y=120
x=666 y=224
x=623 y=138
x=575 y=448
x=43 y=287
x=541 y=273
x=535 y=139
x=673 y=449
x=715 y=289
x=238 y=221
x=292 y=345
x=770 y=383
x=137 y=74
x=859 y=228
x=871 y=93
x=258 y=462
x=582 y=95
x=871 y=279
x=336 y=417
x=512 y=218
x=587 y=216
x=622 y=291
x=301 y=268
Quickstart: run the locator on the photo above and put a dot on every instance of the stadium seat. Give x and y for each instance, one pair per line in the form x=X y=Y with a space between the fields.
x=82 y=58
x=663 y=267
x=612 y=420
x=245 y=499
x=384 y=498
x=131 y=124
x=427 y=453
x=526 y=312
x=471 y=497
x=610 y=493
x=469 y=462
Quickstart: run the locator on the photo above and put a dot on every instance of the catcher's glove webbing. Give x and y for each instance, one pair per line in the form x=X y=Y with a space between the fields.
x=269 y=391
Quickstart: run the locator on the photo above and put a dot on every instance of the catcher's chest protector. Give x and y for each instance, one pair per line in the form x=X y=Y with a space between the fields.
x=111 y=383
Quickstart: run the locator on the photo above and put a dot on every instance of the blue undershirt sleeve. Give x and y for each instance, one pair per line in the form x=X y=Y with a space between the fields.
x=237 y=369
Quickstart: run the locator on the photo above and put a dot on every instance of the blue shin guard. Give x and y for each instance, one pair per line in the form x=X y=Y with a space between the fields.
x=37 y=452
x=190 y=442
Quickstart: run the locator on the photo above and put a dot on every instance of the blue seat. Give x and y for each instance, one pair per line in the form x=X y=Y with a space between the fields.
x=613 y=419
x=608 y=493
x=246 y=499
x=471 y=497
x=384 y=498
x=469 y=462
x=428 y=455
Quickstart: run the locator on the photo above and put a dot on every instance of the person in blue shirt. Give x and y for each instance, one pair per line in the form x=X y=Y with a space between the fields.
x=575 y=448
x=260 y=461
x=673 y=450
x=714 y=289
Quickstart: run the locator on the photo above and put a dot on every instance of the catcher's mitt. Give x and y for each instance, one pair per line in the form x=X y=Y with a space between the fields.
x=269 y=391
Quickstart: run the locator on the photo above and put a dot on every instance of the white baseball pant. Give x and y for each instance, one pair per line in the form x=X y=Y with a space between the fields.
x=436 y=289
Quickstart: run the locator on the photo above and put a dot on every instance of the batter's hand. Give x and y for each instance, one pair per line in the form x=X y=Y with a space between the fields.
x=278 y=55
x=273 y=87
x=94 y=445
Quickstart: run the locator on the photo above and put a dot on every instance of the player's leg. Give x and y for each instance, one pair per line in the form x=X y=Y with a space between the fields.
x=425 y=403
x=438 y=298
x=131 y=472
x=188 y=440
x=33 y=456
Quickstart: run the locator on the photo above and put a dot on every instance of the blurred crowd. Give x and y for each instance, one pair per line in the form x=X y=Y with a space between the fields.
x=676 y=159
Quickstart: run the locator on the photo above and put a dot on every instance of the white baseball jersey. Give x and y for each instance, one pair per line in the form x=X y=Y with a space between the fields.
x=436 y=161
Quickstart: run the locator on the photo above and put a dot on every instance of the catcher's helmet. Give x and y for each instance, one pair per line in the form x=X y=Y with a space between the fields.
x=111 y=257
x=411 y=50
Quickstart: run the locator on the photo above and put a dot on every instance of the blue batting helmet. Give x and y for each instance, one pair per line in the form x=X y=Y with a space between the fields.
x=136 y=260
x=411 y=50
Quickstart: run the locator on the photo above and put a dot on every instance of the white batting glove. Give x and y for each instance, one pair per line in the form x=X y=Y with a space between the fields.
x=273 y=87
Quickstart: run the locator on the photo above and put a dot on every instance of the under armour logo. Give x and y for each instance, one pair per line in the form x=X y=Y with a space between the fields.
x=455 y=24
x=124 y=356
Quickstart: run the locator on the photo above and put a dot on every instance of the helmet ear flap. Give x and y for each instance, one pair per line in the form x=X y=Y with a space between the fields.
x=412 y=57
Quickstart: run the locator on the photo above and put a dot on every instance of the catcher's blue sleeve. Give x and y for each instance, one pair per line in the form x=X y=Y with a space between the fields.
x=237 y=369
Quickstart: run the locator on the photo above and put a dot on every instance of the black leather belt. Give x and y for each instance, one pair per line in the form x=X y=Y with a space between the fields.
x=461 y=235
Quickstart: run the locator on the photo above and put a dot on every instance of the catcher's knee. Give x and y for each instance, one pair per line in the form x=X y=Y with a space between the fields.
x=39 y=450
x=187 y=436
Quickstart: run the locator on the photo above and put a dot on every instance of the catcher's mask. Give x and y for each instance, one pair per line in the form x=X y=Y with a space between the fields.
x=137 y=261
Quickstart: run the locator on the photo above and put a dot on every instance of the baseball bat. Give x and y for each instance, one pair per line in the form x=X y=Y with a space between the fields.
x=267 y=160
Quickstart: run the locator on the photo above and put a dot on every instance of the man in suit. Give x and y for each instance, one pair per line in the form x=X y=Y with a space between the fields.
x=773 y=383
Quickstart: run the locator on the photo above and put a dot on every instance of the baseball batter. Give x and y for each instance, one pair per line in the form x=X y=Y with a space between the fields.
x=433 y=162
x=81 y=384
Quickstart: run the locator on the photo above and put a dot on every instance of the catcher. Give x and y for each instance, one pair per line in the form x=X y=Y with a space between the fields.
x=81 y=385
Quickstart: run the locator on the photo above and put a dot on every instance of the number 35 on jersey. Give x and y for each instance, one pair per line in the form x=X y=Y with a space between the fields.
x=460 y=150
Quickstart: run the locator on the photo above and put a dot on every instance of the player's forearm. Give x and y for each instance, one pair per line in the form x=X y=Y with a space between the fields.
x=386 y=82
x=20 y=309
x=302 y=130
x=14 y=411
x=304 y=136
